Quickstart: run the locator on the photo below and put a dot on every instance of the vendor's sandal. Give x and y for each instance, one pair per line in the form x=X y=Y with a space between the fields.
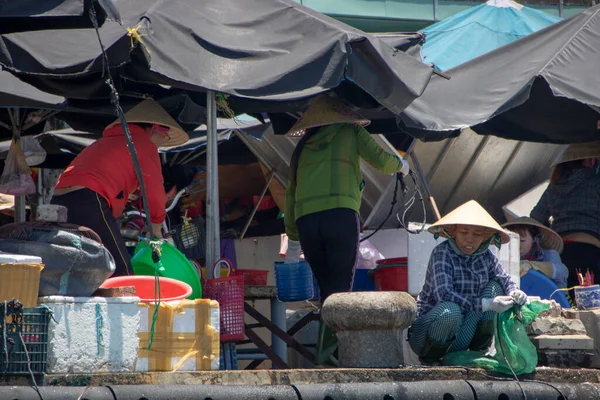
x=327 y=344
x=433 y=352
x=484 y=334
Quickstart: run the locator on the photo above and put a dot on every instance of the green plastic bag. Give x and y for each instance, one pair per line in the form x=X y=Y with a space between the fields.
x=511 y=341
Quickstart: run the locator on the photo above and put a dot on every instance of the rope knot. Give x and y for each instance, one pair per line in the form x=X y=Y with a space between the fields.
x=136 y=36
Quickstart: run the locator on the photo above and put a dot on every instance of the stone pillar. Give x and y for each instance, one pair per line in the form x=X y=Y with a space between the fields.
x=369 y=326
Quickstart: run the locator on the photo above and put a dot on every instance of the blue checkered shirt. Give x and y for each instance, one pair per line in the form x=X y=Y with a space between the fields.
x=573 y=203
x=460 y=279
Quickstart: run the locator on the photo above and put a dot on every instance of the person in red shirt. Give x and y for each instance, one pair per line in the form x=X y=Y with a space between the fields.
x=95 y=187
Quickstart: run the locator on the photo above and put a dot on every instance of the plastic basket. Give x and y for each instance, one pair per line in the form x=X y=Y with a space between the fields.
x=229 y=293
x=26 y=336
x=253 y=277
x=190 y=238
x=294 y=281
x=20 y=281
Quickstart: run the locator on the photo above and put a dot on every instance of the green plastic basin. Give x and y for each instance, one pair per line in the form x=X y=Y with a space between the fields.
x=175 y=265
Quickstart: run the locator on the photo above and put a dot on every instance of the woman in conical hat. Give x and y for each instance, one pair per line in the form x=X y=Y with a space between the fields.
x=95 y=187
x=324 y=193
x=571 y=207
x=465 y=286
x=540 y=249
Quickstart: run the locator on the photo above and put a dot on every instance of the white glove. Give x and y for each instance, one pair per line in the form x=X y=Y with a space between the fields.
x=405 y=168
x=498 y=304
x=293 y=252
x=519 y=297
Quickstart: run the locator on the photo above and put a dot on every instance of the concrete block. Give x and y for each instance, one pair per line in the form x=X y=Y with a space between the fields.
x=554 y=309
x=563 y=342
x=565 y=358
x=556 y=326
x=51 y=212
x=591 y=321
x=92 y=334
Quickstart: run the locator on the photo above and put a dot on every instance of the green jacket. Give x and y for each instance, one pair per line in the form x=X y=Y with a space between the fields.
x=329 y=174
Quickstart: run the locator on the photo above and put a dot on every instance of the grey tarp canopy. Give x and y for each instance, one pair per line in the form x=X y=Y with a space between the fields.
x=267 y=49
x=272 y=50
x=542 y=88
x=24 y=15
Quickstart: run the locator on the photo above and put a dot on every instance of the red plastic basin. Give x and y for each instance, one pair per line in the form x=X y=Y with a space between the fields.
x=390 y=278
x=170 y=289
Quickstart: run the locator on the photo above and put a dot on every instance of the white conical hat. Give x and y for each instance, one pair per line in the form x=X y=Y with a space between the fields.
x=470 y=213
x=578 y=151
x=150 y=112
x=551 y=239
x=323 y=111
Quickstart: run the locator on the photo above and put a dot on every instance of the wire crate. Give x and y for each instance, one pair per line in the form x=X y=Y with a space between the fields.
x=23 y=339
x=190 y=238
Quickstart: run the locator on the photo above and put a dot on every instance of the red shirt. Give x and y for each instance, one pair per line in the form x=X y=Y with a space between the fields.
x=106 y=168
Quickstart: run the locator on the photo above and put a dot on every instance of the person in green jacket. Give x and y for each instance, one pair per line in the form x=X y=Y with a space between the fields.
x=324 y=193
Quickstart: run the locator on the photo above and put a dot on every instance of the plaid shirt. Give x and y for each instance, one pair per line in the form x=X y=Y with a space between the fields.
x=573 y=203
x=460 y=279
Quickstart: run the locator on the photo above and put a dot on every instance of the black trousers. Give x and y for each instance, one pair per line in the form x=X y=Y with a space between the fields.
x=330 y=242
x=582 y=256
x=87 y=208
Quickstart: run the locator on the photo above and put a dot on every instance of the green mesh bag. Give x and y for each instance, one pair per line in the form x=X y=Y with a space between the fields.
x=512 y=344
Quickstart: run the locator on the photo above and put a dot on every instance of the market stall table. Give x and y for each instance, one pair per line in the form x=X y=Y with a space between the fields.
x=281 y=338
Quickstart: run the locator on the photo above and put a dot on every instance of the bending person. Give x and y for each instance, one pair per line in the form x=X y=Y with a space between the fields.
x=571 y=207
x=540 y=249
x=324 y=194
x=465 y=286
x=95 y=187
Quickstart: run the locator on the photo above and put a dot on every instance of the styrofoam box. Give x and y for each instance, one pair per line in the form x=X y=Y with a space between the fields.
x=178 y=318
x=92 y=334
x=8 y=258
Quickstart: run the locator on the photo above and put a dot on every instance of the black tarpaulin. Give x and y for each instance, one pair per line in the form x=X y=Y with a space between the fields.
x=542 y=88
x=268 y=49
x=27 y=15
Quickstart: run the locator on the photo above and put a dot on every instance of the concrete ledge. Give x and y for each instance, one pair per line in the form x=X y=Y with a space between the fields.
x=303 y=376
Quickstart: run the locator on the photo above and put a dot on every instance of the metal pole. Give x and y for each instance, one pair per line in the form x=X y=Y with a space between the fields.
x=40 y=186
x=20 y=209
x=213 y=232
x=278 y=319
x=262 y=195
x=560 y=8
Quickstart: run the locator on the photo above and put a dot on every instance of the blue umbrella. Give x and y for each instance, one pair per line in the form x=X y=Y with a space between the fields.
x=478 y=30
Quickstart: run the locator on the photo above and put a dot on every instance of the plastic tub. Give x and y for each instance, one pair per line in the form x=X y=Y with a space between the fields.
x=294 y=281
x=390 y=278
x=534 y=283
x=362 y=282
x=175 y=265
x=170 y=289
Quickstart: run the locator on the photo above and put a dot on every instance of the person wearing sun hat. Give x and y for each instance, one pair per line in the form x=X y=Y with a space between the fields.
x=323 y=195
x=540 y=249
x=465 y=286
x=96 y=186
x=571 y=207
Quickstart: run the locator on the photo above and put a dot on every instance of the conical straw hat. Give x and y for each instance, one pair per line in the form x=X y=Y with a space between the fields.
x=470 y=213
x=579 y=151
x=150 y=112
x=550 y=240
x=325 y=110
